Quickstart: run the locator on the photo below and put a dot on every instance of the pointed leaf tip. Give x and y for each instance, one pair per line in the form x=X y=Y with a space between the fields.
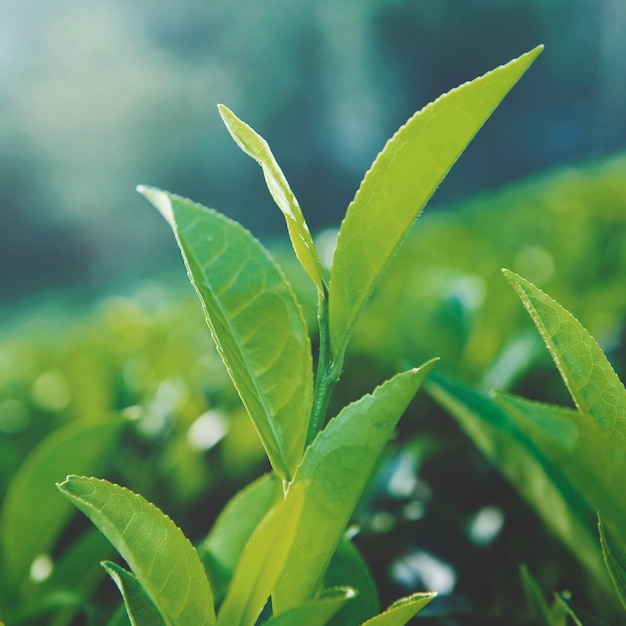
x=160 y=200
x=257 y=148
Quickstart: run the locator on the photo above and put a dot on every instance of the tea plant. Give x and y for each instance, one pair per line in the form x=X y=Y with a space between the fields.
x=569 y=464
x=283 y=536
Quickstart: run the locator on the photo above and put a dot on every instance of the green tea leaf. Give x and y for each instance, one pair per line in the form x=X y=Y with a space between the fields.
x=347 y=567
x=139 y=607
x=614 y=551
x=592 y=382
x=255 y=320
x=160 y=556
x=536 y=477
x=222 y=547
x=590 y=460
x=316 y=613
x=401 y=611
x=77 y=447
x=255 y=146
x=261 y=562
x=338 y=465
x=537 y=603
x=401 y=180
x=564 y=601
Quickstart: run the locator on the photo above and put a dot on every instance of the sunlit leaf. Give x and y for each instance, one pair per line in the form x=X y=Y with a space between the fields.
x=316 y=613
x=255 y=146
x=255 y=320
x=401 y=180
x=537 y=478
x=338 y=465
x=592 y=382
x=222 y=547
x=141 y=611
x=159 y=555
x=614 y=551
x=262 y=561
x=401 y=611
x=77 y=447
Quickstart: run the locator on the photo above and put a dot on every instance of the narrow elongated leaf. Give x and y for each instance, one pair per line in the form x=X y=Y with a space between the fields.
x=536 y=601
x=261 y=562
x=592 y=382
x=338 y=465
x=255 y=146
x=33 y=515
x=141 y=611
x=255 y=320
x=222 y=547
x=565 y=602
x=401 y=180
x=347 y=567
x=536 y=477
x=401 y=611
x=317 y=613
x=590 y=460
x=614 y=551
x=160 y=556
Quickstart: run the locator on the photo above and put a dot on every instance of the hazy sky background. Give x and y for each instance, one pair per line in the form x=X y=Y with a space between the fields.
x=96 y=97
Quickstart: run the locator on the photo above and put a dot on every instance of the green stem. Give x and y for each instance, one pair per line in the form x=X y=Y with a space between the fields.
x=327 y=373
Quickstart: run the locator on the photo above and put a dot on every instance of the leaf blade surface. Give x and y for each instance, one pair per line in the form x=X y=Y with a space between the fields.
x=256 y=147
x=261 y=562
x=158 y=553
x=255 y=321
x=338 y=464
x=590 y=378
x=401 y=180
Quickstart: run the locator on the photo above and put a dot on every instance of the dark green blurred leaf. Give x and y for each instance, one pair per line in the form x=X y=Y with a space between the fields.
x=537 y=477
x=614 y=551
x=591 y=461
x=348 y=568
x=33 y=515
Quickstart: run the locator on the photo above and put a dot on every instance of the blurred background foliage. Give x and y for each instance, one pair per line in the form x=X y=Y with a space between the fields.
x=98 y=97
x=97 y=317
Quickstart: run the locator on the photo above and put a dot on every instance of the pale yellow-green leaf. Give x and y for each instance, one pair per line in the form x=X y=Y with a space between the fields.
x=401 y=180
x=261 y=562
x=590 y=378
x=158 y=553
x=255 y=146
